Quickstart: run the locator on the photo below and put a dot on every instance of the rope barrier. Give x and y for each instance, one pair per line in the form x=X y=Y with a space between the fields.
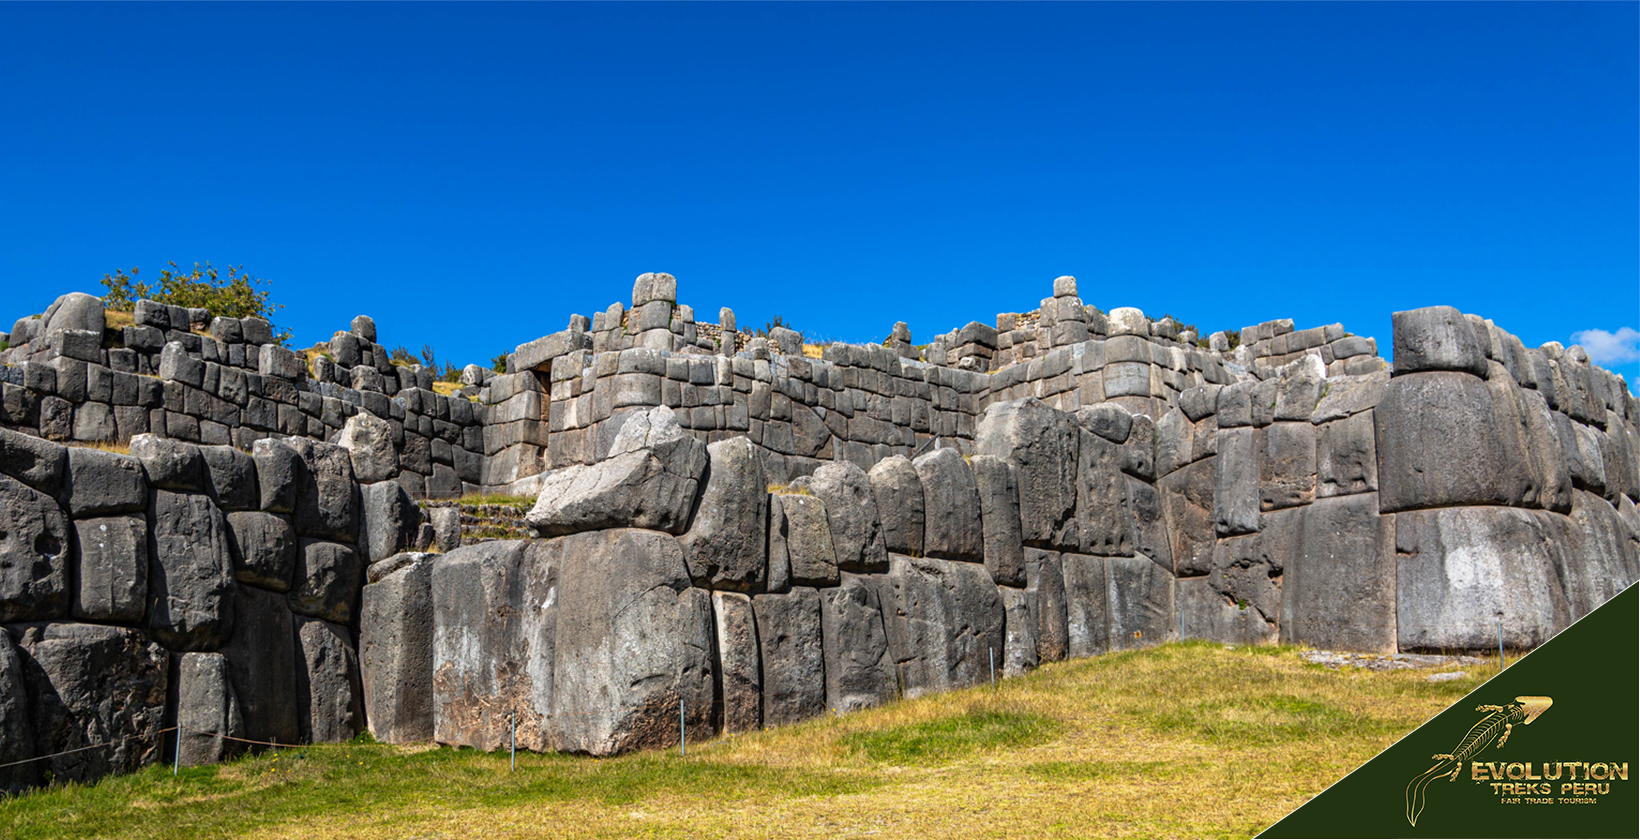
x=91 y=747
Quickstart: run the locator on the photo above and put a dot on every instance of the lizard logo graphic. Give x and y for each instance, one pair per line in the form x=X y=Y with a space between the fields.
x=1499 y=722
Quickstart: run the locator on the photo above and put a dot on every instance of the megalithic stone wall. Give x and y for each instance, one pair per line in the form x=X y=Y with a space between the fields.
x=758 y=529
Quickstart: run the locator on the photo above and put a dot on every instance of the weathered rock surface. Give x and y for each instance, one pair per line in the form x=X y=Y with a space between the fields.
x=1141 y=609
x=262 y=666
x=396 y=650
x=190 y=572
x=101 y=483
x=1087 y=605
x=1187 y=500
x=326 y=581
x=1436 y=338
x=648 y=480
x=944 y=624
x=16 y=739
x=898 y=492
x=999 y=519
x=859 y=669
x=954 y=527
x=812 y=556
x=1439 y=444
x=278 y=472
x=1346 y=456
x=38 y=463
x=92 y=684
x=738 y=662
x=112 y=563
x=792 y=660
x=207 y=710
x=851 y=513
x=265 y=546
x=329 y=698
x=34 y=545
x=725 y=545
x=1045 y=601
x=230 y=476
x=368 y=440
x=1236 y=482
x=1041 y=444
x=389 y=520
x=327 y=495
x=1019 y=654
x=170 y=464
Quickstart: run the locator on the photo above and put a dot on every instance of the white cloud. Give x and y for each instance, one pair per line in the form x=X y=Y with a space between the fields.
x=1607 y=348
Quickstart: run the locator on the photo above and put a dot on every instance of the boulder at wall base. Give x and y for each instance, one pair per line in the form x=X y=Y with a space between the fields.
x=1207 y=613
x=859 y=671
x=1460 y=571
x=944 y=623
x=396 y=650
x=851 y=513
x=34 y=546
x=738 y=654
x=1338 y=580
x=329 y=701
x=262 y=665
x=1045 y=600
x=190 y=572
x=633 y=641
x=208 y=714
x=1186 y=497
x=16 y=738
x=1041 y=443
x=1440 y=444
x=92 y=684
x=478 y=601
x=1141 y=603
x=726 y=543
x=1019 y=655
x=793 y=663
x=1087 y=605
x=648 y=480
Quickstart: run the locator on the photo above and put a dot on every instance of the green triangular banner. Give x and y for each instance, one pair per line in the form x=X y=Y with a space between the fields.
x=1569 y=767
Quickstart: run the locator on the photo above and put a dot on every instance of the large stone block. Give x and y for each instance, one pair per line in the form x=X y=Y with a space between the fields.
x=327 y=496
x=1236 y=482
x=851 y=512
x=278 y=472
x=1525 y=424
x=38 y=463
x=1186 y=497
x=329 y=698
x=396 y=649
x=944 y=624
x=264 y=548
x=478 y=605
x=101 y=483
x=1206 y=613
x=859 y=670
x=1346 y=456
x=326 y=581
x=368 y=440
x=1045 y=601
x=389 y=520
x=634 y=640
x=111 y=583
x=738 y=657
x=954 y=527
x=726 y=544
x=1339 y=578
x=898 y=492
x=170 y=464
x=1042 y=445
x=1462 y=571
x=1141 y=603
x=231 y=477
x=1019 y=655
x=16 y=736
x=999 y=519
x=1436 y=338
x=648 y=480
x=1087 y=605
x=34 y=545
x=1599 y=555
x=1440 y=444
x=811 y=552
x=1104 y=522
x=262 y=665
x=1287 y=466
x=793 y=661
x=1150 y=537
x=90 y=684
x=207 y=712
x=190 y=572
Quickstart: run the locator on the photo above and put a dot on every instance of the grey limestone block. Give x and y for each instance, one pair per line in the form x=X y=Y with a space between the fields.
x=1346 y=396
x=859 y=670
x=1087 y=605
x=951 y=497
x=1019 y=654
x=1041 y=443
x=177 y=365
x=170 y=464
x=231 y=477
x=1436 y=338
x=1461 y=571
x=998 y=490
x=1236 y=404
x=1200 y=401
x=1175 y=442
x=227 y=330
x=1287 y=468
x=1338 y=587
x=84 y=345
x=1525 y=422
x=1440 y=444
x=1247 y=575
x=739 y=666
x=279 y=362
x=1139 y=451
x=1141 y=603
x=329 y=697
x=898 y=492
x=1600 y=553
x=726 y=544
x=111 y=580
x=261 y=658
x=790 y=653
x=851 y=513
x=257 y=331
x=327 y=496
x=1298 y=389
x=38 y=463
x=944 y=622
x=326 y=581
x=91 y=684
x=1150 y=533
x=346 y=351
x=207 y=712
x=100 y=483
x=446 y=523
x=612 y=693
x=264 y=548
x=810 y=548
x=368 y=440
x=1104 y=521
x=74 y=311
x=190 y=572
x=1045 y=601
x=648 y=480
x=389 y=520
x=1346 y=456
x=364 y=327
x=1187 y=502
x=779 y=574
x=1236 y=482
x=396 y=650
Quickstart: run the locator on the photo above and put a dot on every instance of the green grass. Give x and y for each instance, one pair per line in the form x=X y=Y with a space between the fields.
x=1185 y=740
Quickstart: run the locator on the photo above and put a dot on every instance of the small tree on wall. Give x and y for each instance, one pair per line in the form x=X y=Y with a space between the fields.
x=235 y=296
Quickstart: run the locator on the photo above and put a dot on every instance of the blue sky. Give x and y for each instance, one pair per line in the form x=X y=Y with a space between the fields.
x=470 y=175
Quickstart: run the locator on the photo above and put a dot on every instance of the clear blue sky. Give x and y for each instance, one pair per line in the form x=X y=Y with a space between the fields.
x=470 y=175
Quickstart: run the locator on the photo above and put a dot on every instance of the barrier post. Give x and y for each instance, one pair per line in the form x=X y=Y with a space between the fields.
x=683 y=734
x=993 y=667
x=512 y=739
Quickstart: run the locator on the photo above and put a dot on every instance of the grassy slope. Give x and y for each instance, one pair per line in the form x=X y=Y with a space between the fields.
x=1187 y=740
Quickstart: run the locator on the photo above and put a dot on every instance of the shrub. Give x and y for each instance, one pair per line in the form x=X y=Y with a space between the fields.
x=236 y=296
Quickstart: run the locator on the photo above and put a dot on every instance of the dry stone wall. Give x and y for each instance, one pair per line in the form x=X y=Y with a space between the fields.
x=759 y=530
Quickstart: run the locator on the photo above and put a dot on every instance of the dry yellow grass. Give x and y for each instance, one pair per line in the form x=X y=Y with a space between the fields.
x=448 y=389
x=1191 y=740
x=814 y=351
x=122 y=447
x=114 y=319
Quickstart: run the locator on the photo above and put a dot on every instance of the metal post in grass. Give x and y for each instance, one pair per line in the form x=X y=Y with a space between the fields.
x=1500 y=645
x=176 y=752
x=512 y=739
x=683 y=734
x=993 y=667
